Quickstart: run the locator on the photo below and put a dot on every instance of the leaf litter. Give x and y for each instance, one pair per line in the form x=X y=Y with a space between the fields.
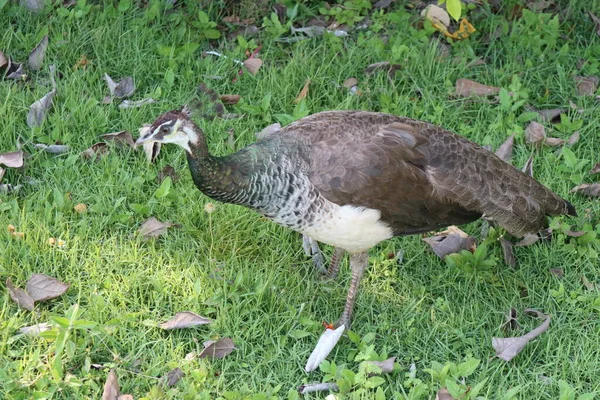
x=19 y=296
x=587 y=189
x=185 y=319
x=12 y=159
x=173 y=376
x=505 y=151
x=467 y=88
x=42 y=287
x=508 y=348
x=586 y=85
x=153 y=228
x=38 y=110
x=36 y=57
x=450 y=241
x=53 y=148
x=217 y=349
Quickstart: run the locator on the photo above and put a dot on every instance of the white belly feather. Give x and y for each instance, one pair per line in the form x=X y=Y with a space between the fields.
x=355 y=229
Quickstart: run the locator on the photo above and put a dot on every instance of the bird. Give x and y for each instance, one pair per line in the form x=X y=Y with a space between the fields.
x=352 y=179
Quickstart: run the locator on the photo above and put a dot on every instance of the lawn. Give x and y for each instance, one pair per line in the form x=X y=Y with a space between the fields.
x=250 y=276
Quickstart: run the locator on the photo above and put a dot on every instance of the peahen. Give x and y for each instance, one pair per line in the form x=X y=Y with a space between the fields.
x=352 y=179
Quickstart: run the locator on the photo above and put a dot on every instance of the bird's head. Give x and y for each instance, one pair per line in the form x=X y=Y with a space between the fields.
x=174 y=126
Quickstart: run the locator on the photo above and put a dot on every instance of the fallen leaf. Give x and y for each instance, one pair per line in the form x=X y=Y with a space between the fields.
x=596 y=22
x=152 y=150
x=19 y=296
x=386 y=365
x=443 y=394
x=111 y=387
x=528 y=167
x=535 y=133
x=595 y=169
x=38 y=110
x=15 y=70
x=253 y=65
x=437 y=15
x=588 y=285
x=122 y=137
x=507 y=252
x=12 y=160
x=309 y=30
x=592 y=190
x=219 y=349
x=269 y=130
x=35 y=330
x=558 y=272
x=36 y=57
x=508 y=348
x=324 y=346
x=554 y=142
x=574 y=138
x=230 y=98
x=35 y=6
x=350 y=83
x=383 y=66
x=125 y=397
x=124 y=88
x=3 y=61
x=505 y=150
x=383 y=4
x=137 y=103
x=466 y=88
x=527 y=240
x=184 y=319
x=511 y=323
x=167 y=171
x=99 y=150
x=6 y=188
x=586 y=85
x=549 y=115
x=318 y=387
x=43 y=287
x=303 y=93
x=80 y=208
x=174 y=376
x=450 y=241
x=53 y=148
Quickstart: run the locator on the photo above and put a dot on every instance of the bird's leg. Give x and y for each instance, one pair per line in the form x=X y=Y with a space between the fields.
x=311 y=249
x=334 y=264
x=358 y=264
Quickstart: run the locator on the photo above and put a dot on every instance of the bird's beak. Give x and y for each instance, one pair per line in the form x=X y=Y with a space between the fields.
x=141 y=140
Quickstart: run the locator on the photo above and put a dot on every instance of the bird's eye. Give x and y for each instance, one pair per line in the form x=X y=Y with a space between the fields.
x=164 y=129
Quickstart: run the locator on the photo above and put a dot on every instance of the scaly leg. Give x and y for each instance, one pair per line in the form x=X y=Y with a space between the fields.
x=334 y=264
x=358 y=264
x=311 y=249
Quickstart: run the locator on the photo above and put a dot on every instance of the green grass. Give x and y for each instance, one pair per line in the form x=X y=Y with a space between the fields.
x=248 y=274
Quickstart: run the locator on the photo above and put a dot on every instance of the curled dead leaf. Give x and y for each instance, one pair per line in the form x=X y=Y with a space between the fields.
x=173 y=376
x=528 y=240
x=38 y=110
x=554 y=142
x=508 y=348
x=217 y=349
x=386 y=365
x=167 y=171
x=111 y=387
x=505 y=150
x=53 y=148
x=350 y=83
x=303 y=93
x=42 y=287
x=36 y=57
x=596 y=22
x=97 y=150
x=253 y=65
x=535 y=133
x=35 y=330
x=230 y=98
x=587 y=189
x=152 y=228
x=121 y=137
x=185 y=319
x=443 y=394
x=574 y=138
x=466 y=88
x=595 y=169
x=507 y=253
x=13 y=159
x=437 y=15
x=19 y=296
x=124 y=88
x=586 y=85
x=511 y=323
x=450 y=241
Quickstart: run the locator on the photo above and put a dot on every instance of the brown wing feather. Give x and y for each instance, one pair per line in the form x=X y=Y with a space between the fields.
x=418 y=175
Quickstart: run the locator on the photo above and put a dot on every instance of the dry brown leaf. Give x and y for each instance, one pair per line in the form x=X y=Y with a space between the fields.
x=122 y=137
x=386 y=365
x=527 y=240
x=528 y=167
x=443 y=394
x=586 y=85
x=36 y=57
x=588 y=285
x=13 y=159
x=350 y=82
x=574 y=138
x=219 y=349
x=505 y=150
x=507 y=252
x=43 y=287
x=554 y=142
x=550 y=115
x=437 y=15
x=303 y=92
x=558 y=272
x=80 y=208
x=508 y=348
x=383 y=66
x=535 y=133
x=575 y=234
x=588 y=189
x=35 y=330
x=152 y=228
x=466 y=88
x=136 y=103
x=595 y=169
x=15 y=70
x=38 y=110
x=174 y=376
x=111 y=387
x=125 y=87
x=596 y=22
x=167 y=171
x=99 y=150
x=253 y=65
x=53 y=148
x=450 y=241
x=19 y=296
x=185 y=319
x=230 y=98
